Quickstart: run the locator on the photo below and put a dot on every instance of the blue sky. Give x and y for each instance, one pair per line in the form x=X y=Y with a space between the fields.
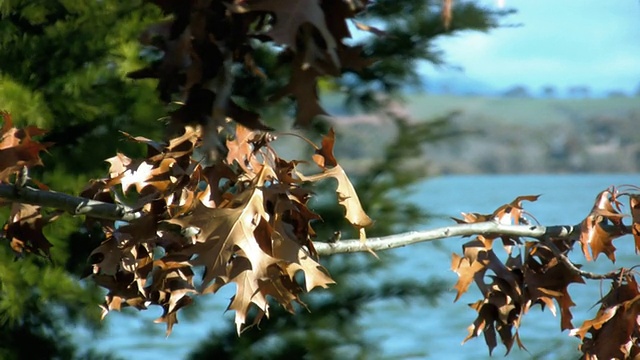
x=560 y=42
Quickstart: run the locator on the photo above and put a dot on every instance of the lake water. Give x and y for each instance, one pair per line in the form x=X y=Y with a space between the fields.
x=413 y=330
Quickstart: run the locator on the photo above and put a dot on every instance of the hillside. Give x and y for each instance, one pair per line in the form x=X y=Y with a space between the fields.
x=509 y=135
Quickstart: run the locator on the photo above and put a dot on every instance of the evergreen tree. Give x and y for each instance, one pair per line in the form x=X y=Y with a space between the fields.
x=62 y=69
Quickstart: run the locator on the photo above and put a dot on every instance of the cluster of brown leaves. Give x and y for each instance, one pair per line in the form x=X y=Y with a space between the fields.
x=18 y=152
x=541 y=274
x=614 y=332
x=605 y=211
x=205 y=37
x=244 y=219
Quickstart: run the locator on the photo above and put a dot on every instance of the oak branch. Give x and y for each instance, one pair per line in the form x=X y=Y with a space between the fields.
x=82 y=206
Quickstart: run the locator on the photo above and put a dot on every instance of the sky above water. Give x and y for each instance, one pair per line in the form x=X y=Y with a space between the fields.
x=595 y=43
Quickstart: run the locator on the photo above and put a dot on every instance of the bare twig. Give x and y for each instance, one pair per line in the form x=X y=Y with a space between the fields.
x=483 y=228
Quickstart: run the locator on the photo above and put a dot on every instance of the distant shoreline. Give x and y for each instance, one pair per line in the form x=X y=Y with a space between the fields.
x=508 y=135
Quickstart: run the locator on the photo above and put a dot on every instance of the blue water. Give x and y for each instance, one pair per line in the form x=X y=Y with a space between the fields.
x=414 y=330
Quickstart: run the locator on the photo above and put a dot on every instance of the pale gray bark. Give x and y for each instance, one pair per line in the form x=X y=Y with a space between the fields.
x=483 y=228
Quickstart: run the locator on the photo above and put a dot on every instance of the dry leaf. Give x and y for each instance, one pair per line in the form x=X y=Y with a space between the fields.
x=24 y=230
x=592 y=235
x=634 y=206
x=614 y=330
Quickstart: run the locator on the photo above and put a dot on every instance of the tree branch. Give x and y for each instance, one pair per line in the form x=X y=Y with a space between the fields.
x=76 y=205
x=576 y=270
x=73 y=204
x=483 y=228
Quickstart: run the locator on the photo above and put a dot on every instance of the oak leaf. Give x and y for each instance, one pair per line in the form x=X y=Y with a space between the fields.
x=303 y=87
x=634 y=206
x=17 y=148
x=496 y=313
x=547 y=279
x=240 y=150
x=467 y=271
x=592 y=235
x=614 y=331
x=289 y=16
x=219 y=173
x=346 y=193
x=24 y=229
x=170 y=289
x=513 y=213
x=227 y=247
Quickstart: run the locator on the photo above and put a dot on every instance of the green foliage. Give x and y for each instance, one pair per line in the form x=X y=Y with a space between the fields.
x=66 y=60
x=62 y=69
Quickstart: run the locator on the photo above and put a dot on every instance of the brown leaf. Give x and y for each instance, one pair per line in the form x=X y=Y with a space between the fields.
x=513 y=213
x=106 y=258
x=237 y=242
x=118 y=164
x=592 y=234
x=225 y=240
x=289 y=17
x=171 y=317
x=497 y=312
x=466 y=271
x=369 y=28
x=170 y=289
x=122 y=292
x=213 y=195
x=159 y=176
x=303 y=87
x=547 y=279
x=336 y=12
x=17 y=148
x=24 y=230
x=447 y=13
x=241 y=150
x=471 y=218
x=324 y=156
x=614 y=330
x=347 y=195
x=634 y=206
x=288 y=248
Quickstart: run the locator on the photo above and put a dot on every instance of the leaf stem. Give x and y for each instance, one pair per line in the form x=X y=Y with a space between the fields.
x=299 y=136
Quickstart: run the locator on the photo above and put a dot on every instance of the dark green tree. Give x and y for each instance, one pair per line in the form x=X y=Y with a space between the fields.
x=62 y=66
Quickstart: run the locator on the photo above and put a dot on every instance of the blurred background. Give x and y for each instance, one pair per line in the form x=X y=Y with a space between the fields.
x=514 y=98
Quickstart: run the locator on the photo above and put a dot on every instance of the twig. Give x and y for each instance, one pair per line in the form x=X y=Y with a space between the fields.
x=483 y=228
x=614 y=274
x=76 y=205
x=73 y=204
